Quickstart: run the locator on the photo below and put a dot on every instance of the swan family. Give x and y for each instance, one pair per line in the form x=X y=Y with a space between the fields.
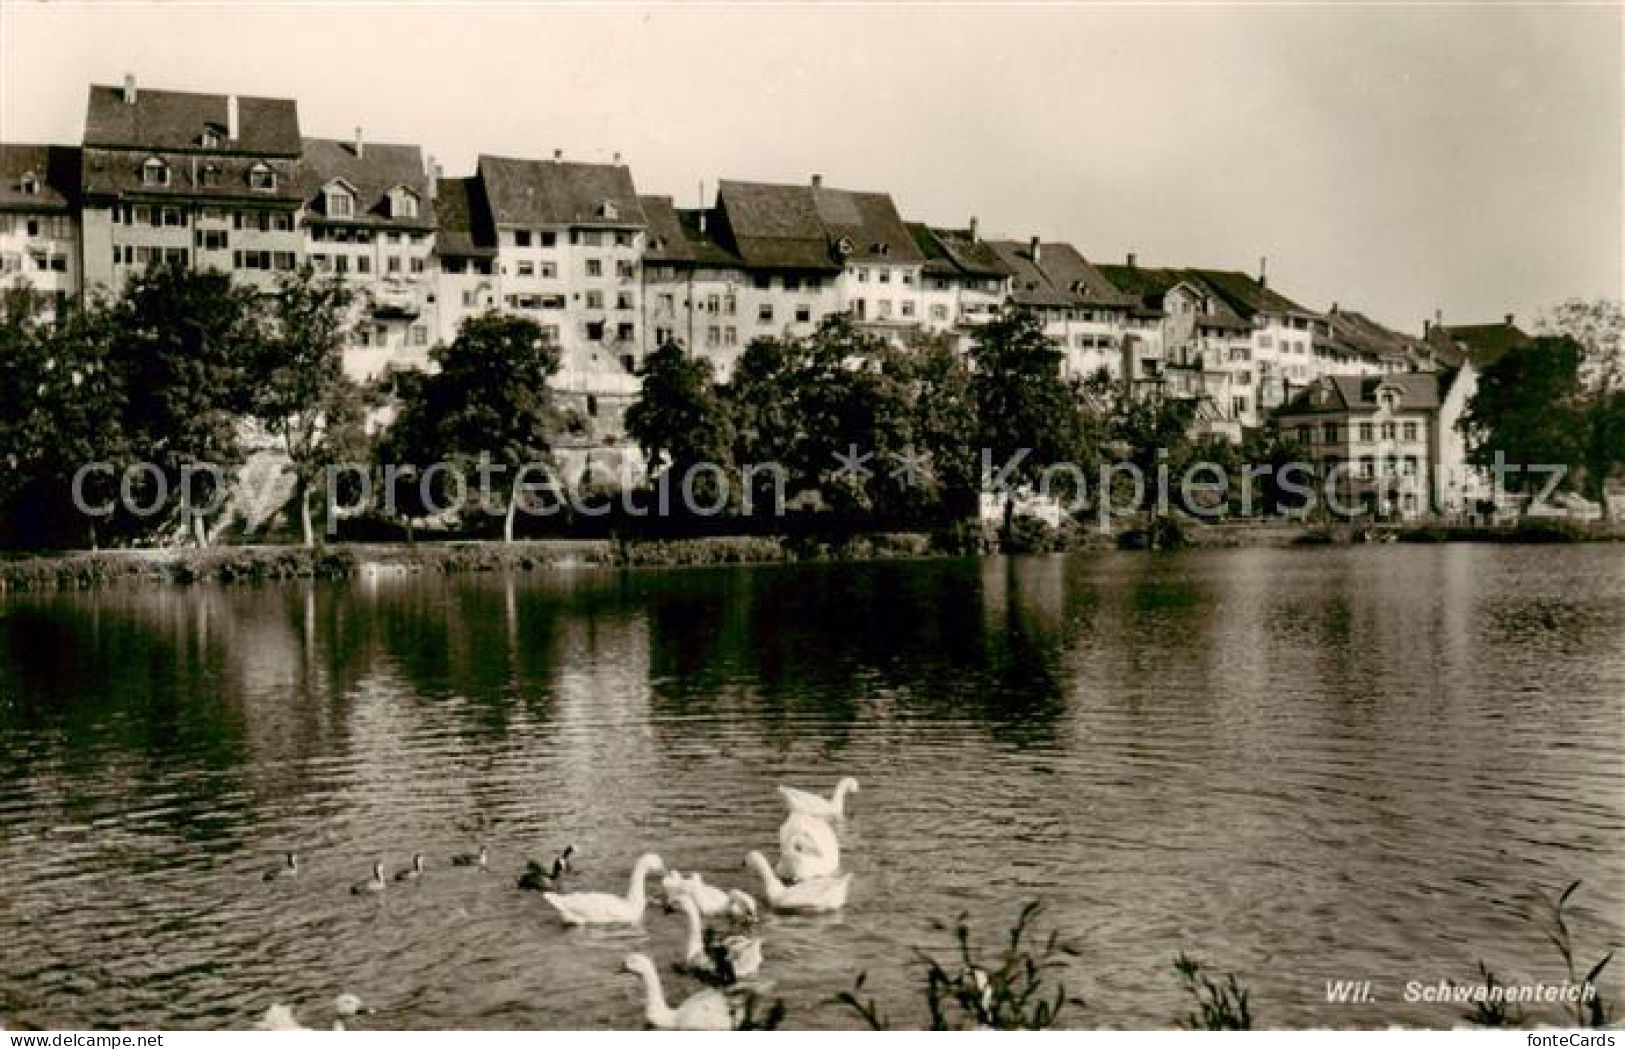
x=806 y=880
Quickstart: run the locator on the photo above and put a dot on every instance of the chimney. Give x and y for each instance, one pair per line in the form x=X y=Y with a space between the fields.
x=617 y=160
x=434 y=177
x=233 y=130
x=360 y=144
x=1427 y=327
x=702 y=215
x=1334 y=309
x=558 y=155
x=129 y=89
x=973 y=229
x=817 y=181
x=1509 y=320
x=1131 y=260
x=1263 y=274
x=1034 y=250
x=1438 y=319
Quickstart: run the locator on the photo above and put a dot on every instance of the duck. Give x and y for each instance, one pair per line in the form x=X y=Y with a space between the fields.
x=470 y=859
x=807 y=848
x=281 y=1018
x=373 y=884
x=722 y=961
x=540 y=879
x=706 y=1011
x=833 y=807
x=814 y=896
x=288 y=869
x=712 y=901
x=414 y=872
x=606 y=908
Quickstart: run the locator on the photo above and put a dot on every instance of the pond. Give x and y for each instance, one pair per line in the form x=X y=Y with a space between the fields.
x=1298 y=765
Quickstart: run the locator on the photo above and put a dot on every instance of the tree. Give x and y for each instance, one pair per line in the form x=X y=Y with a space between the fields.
x=1597 y=327
x=488 y=404
x=680 y=420
x=302 y=394
x=186 y=345
x=1029 y=415
x=1527 y=411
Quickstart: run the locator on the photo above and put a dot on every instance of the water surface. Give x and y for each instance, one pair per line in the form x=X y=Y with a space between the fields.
x=1301 y=765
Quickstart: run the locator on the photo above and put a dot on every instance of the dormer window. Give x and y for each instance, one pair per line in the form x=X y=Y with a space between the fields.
x=608 y=210
x=260 y=176
x=338 y=202
x=211 y=137
x=843 y=247
x=403 y=203
x=154 y=173
x=881 y=249
x=210 y=175
x=30 y=184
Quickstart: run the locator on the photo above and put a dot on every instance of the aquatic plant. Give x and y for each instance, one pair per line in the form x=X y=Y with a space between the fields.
x=1016 y=990
x=1594 y=1011
x=1492 y=1010
x=1220 y=1006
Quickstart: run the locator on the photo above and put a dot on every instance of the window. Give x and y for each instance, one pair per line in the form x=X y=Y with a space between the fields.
x=284 y=259
x=595 y=267
x=730 y=336
x=668 y=303
x=549 y=334
x=341 y=264
x=1368 y=432
x=792 y=283
x=626 y=331
x=527 y=269
x=591 y=238
x=1368 y=466
x=863 y=276
x=1410 y=466
x=211 y=239
x=594 y=331
x=340 y=204
x=764 y=313
x=1264 y=342
x=1329 y=433
x=595 y=300
x=1239 y=405
x=885 y=276
x=883 y=309
x=939 y=312
x=549 y=239
x=30 y=183
x=173 y=217
x=623 y=301
x=803 y=314
x=763 y=281
x=363 y=264
x=321 y=263
x=417 y=265
x=521 y=238
x=1410 y=431
x=730 y=305
x=1387 y=431
x=261 y=177
x=713 y=336
x=1305 y=434
x=470 y=299
x=623 y=240
x=548 y=270
x=908 y=307
x=210 y=139
x=420 y=335
x=211 y=175
x=154 y=173
x=403 y=203
x=625 y=270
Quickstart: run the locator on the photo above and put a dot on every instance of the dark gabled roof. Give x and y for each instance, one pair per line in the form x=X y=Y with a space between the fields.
x=464 y=226
x=1060 y=277
x=956 y=253
x=1484 y=344
x=378 y=169
x=115 y=172
x=706 y=249
x=55 y=170
x=1354 y=332
x=559 y=193
x=1245 y=295
x=175 y=121
x=774 y=226
x=1331 y=394
x=675 y=237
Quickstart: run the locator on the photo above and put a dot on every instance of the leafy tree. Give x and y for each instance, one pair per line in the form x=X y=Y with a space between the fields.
x=944 y=424
x=1527 y=410
x=1025 y=408
x=186 y=345
x=680 y=420
x=302 y=394
x=488 y=405
x=1597 y=327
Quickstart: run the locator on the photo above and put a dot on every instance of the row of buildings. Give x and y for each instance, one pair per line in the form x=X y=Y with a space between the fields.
x=232 y=183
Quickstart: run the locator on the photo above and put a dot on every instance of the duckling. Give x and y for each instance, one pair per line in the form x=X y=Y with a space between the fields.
x=414 y=872
x=470 y=859
x=373 y=884
x=289 y=869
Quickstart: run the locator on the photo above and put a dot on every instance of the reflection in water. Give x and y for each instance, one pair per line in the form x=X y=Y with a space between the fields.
x=1305 y=765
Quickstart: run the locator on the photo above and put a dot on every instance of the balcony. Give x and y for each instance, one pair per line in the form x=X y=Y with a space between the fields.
x=394 y=300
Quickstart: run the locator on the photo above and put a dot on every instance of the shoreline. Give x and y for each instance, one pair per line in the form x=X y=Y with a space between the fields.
x=184 y=566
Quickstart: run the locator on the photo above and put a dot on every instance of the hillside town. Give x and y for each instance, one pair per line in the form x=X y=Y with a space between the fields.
x=232 y=183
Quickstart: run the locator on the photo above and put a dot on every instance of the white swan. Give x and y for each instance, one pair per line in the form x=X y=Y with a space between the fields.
x=712 y=901
x=606 y=908
x=706 y=1011
x=743 y=953
x=816 y=896
x=833 y=807
x=807 y=848
x=280 y=1018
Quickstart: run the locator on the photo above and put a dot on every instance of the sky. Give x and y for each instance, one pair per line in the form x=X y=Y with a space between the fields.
x=1393 y=159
